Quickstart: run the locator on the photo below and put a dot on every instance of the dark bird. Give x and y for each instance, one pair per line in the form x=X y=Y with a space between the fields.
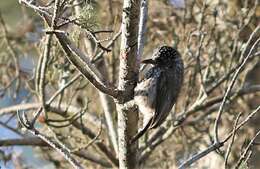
x=157 y=92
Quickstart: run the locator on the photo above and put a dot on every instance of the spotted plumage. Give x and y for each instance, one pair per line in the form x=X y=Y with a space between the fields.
x=157 y=92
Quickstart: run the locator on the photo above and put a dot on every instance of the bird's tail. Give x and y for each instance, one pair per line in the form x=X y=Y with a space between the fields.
x=142 y=131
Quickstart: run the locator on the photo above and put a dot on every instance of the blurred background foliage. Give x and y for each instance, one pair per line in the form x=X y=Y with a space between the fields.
x=210 y=35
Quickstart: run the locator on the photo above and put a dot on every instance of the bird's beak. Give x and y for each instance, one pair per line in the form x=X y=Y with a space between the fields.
x=148 y=61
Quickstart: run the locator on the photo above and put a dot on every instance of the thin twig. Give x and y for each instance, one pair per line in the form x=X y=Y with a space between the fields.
x=24 y=121
x=69 y=83
x=100 y=54
x=216 y=145
x=91 y=142
x=243 y=156
x=217 y=121
x=232 y=140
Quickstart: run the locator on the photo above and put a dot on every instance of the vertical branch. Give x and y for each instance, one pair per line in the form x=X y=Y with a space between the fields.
x=111 y=12
x=232 y=141
x=44 y=60
x=128 y=71
x=43 y=69
x=107 y=107
x=12 y=51
x=105 y=100
x=142 y=29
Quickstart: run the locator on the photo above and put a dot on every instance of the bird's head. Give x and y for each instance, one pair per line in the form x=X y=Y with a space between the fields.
x=164 y=56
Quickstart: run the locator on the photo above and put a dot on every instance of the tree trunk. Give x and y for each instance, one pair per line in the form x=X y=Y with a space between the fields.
x=128 y=73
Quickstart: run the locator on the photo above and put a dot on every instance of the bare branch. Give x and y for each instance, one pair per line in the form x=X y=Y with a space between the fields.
x=243 y=156
x=242 y=64
x=23 y=120
x=36 y=141
x=142 y=29
x=232 y=140
x=78 y=58
x=216 y=145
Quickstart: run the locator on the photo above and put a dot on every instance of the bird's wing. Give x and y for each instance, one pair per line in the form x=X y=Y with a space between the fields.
x=145 y=96
x=164 y=100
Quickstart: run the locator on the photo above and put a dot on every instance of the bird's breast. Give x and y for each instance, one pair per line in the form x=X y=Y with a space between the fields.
x=145 y=95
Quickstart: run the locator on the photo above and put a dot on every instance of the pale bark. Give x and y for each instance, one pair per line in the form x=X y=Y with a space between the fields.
x=128 y=73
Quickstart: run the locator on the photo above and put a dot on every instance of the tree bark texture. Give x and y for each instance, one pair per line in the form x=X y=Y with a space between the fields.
x=128 y=75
